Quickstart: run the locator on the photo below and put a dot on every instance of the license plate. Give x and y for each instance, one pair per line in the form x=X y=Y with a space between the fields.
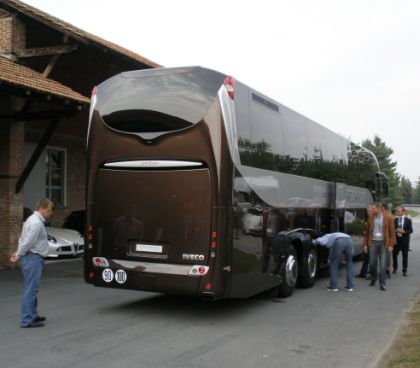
x=149 y=248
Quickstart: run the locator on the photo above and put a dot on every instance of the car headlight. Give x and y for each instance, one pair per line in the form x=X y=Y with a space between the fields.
x=52 y=239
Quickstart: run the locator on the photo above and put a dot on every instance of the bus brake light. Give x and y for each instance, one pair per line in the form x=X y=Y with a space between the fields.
x=229 y=83
x=100 y=262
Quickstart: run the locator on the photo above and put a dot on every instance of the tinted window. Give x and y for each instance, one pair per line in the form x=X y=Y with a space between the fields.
x=152 y=102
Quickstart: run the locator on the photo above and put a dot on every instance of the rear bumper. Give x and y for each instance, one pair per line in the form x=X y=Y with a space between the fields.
x=150 y=276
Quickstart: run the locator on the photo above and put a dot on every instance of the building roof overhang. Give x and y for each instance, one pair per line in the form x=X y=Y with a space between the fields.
x=20 y=76
x=76 y=33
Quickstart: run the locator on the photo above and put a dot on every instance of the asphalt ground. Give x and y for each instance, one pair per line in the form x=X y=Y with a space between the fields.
x=94 y=327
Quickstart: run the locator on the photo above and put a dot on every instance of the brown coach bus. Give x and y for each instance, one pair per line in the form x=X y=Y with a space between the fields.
x=200 y=185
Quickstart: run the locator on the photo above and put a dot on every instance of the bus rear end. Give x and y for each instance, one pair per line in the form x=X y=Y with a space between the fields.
x=155 y=174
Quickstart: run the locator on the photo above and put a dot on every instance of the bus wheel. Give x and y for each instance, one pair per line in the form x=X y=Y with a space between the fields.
x=310 y=266
x=289 y=273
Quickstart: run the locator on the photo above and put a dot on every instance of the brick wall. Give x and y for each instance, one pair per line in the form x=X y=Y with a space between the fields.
x=11 y=205
x=12 y=36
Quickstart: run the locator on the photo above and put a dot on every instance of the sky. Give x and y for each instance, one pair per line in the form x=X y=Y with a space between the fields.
x=350 y=65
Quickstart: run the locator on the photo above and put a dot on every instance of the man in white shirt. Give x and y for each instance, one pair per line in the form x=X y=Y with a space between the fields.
x=33 y=247
x=338 y=243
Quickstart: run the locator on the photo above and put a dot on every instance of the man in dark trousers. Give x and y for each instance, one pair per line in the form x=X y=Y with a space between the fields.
x=338 y=243
x=33 y=247
x=403 y=229
x=379 y=239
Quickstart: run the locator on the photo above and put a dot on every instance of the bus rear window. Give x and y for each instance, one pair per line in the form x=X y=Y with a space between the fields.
x=150 y=102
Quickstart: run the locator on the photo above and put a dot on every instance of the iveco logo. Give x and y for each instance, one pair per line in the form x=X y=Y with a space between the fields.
x=193 y=257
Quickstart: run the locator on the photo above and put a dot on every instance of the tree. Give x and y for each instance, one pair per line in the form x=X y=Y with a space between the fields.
x=416 y=193
x=406 y=190
x=383 y=154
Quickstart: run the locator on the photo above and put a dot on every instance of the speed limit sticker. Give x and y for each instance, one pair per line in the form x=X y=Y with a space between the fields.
x=107 y=275
x=120 y=276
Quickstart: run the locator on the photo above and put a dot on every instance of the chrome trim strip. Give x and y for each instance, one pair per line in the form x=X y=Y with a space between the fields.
x=151 y=164
x=229 y=119
x=162 y=268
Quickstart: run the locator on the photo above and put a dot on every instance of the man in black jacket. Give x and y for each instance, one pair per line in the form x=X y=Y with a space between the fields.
x=403 y=229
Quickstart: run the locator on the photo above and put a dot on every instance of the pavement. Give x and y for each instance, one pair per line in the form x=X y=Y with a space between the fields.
x=95 y=327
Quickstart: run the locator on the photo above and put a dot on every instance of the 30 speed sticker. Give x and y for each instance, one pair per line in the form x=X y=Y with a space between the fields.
x=107 y=275
x=120 y=276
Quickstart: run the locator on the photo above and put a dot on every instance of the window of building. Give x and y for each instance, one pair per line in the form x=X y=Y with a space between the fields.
x=55 y=162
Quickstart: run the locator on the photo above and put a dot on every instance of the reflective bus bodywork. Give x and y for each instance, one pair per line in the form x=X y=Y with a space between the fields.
x=199 y=185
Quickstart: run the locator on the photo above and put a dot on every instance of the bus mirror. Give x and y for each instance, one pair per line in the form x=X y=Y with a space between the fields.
x=382 y=181
x=385 y=188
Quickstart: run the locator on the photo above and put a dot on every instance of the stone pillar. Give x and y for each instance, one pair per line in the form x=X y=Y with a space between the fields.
x=12 y=136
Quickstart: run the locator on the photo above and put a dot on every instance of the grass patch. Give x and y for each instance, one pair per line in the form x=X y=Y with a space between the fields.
x=405 y=350
x=413 y=213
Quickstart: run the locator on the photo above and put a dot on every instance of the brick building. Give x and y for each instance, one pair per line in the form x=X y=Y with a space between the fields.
x=47 y=71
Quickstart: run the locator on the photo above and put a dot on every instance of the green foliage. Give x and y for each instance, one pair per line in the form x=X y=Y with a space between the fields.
x=383 y=154
x=406 y=190
x=416 y=193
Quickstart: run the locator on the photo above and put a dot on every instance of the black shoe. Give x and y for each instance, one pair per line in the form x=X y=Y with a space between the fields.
x=404 y=273
x=361 y=276
x=372 y=283
x=34 y=324
x=394 y=272
x=383 y=288
x=40 y=319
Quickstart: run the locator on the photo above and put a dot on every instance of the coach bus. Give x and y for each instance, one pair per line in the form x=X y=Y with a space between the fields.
x=200 y=185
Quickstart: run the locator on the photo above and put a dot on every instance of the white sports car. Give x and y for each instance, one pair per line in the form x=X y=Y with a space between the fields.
x=64 y=242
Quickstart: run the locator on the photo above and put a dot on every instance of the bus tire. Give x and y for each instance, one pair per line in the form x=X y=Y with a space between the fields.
x=289 y=273
x=309 y=270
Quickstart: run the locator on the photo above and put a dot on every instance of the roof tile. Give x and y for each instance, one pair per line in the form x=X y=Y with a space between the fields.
x=21 y=76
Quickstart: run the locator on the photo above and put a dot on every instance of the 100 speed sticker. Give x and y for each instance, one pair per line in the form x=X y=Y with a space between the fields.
x=108 y=276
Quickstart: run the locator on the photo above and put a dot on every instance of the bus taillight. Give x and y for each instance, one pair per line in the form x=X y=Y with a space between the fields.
x=100 y=262
x=213 y=244
x=89 y=234
x=229 y=83
x=197 y=270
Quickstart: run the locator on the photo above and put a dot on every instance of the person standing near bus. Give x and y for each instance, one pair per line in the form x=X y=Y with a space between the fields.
x=379 y=239
x=365 y=264
x=33 y=247
x=403 y=229
x=388 y=213
x=338 y=243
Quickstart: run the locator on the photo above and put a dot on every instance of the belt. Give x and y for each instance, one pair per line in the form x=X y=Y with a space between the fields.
x=37 y=254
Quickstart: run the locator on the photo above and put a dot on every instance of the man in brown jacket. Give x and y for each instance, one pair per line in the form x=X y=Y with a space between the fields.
x=380 y=239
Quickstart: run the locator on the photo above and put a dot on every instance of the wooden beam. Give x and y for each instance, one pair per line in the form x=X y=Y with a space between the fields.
x=37 y=153
x=39 y=115
x=45 y=51
x=50 y=65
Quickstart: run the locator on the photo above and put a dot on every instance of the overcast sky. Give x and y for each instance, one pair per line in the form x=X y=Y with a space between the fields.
x=351 y=65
